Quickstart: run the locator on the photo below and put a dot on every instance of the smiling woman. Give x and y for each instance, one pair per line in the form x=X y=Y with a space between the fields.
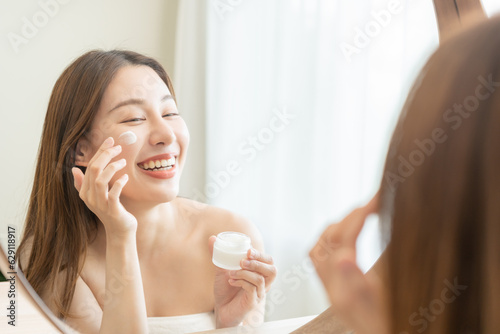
x=106 y=234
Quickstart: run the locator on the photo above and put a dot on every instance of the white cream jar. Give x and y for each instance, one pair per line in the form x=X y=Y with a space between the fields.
x=229 y=249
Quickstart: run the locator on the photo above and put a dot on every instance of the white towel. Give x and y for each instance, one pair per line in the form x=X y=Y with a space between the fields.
x=182 y=324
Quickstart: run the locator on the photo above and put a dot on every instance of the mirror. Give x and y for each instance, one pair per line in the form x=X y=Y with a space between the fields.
x=36 y=316
x=300 y=101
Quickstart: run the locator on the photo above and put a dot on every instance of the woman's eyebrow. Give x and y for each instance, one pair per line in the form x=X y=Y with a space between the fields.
x=138 y=102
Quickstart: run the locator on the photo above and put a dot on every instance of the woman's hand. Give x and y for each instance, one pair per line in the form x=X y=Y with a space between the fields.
x=357 y=299
x=94 y=190
x=121 y=250
x=239 y=292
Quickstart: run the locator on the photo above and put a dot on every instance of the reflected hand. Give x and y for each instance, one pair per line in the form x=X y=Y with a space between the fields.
x=239 y=292
x=356 y=298
x=94 y=190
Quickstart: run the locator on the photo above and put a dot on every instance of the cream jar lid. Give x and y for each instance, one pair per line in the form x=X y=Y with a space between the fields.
x=233 y=242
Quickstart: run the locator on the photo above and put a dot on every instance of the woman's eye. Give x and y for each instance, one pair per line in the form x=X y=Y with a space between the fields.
x=133 y=120
x=171 y=114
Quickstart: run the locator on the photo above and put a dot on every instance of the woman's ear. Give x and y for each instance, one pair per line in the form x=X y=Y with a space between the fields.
x=83 y=152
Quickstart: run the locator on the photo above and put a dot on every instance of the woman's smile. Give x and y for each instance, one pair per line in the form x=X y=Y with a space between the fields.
x=160 y=166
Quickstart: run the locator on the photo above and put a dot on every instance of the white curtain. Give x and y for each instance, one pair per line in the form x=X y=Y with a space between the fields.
x=298 y=102
x=338 y=92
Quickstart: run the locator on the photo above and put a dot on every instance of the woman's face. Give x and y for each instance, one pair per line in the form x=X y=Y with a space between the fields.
x=138 y=100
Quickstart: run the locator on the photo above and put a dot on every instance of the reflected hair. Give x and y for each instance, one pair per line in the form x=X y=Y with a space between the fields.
x=440 y=192
x=59 y=226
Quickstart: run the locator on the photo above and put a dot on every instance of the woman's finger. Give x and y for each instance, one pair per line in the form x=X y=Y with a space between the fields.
x=102 y=159
x=211 y=242
x=108 y=143
x=103 y=179
x=77 y=177
x=267 y=270
x=342 y=235
x=97 y=192
x=116 y=189
x=249 y=288
x=254 y=254
x=93 y=185
x=346 y=232
x=325 y=246
x=256 y=280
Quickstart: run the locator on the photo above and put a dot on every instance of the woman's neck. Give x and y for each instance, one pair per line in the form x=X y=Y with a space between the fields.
x=156 y=224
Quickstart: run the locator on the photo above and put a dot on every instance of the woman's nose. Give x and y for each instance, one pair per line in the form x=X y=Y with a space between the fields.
x=162 y=132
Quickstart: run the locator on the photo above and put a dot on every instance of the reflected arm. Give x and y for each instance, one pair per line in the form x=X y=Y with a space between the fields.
x=328 y=321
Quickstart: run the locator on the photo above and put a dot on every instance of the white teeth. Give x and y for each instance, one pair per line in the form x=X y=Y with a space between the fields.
x=162 y=164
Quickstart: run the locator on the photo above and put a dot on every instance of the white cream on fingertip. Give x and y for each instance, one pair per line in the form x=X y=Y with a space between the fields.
x=127 y=138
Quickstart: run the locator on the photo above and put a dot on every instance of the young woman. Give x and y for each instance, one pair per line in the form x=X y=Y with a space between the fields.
x=108 y=244
x=439 y=206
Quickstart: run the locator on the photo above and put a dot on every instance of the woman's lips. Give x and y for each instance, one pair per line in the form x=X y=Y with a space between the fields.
x=161 y=173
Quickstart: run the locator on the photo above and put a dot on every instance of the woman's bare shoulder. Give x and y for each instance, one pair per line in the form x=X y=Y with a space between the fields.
x=217 y=220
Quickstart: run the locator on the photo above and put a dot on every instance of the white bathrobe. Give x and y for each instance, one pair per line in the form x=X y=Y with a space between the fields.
x=182 y=324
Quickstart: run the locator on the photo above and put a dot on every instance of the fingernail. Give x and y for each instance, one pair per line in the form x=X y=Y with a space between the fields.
x=246 y=263
x=108 y=142
x=253 y=253
x=232 y=273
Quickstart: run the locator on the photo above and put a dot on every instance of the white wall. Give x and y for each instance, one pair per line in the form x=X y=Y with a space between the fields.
x=28 y=71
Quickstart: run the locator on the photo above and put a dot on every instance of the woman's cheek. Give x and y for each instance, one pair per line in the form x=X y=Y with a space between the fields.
x=184 y=136
x=127 y=138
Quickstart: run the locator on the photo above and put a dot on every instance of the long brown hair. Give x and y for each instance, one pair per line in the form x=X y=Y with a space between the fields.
x=59 y=226
x=440 y=199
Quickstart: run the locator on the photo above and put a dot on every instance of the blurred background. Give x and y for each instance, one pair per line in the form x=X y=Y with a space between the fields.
x=290 y=105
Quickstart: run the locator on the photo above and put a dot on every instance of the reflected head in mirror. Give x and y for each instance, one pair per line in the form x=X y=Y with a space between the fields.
x=57 y=235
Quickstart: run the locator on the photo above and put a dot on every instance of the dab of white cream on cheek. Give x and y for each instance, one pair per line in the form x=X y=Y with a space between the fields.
x=127 y=138
x=229 y=249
